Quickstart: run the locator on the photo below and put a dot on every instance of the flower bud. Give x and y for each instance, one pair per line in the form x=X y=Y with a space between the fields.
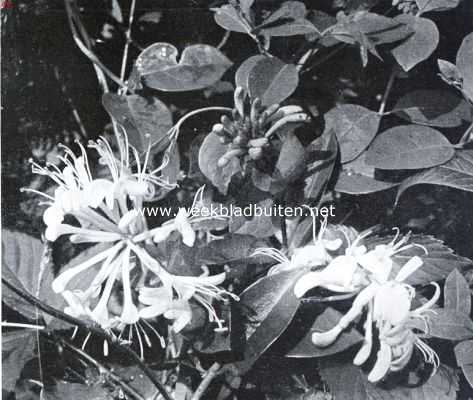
x=218 y=129
x=255 y=153
x=260 y=142
x=239 y=99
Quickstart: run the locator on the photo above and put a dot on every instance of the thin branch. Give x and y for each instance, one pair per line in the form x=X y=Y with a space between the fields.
x=208 y=378
x=92 y=329
x=466 y=136
x=224 y=40
x=128 y=40
x=387 y=92
x=103 y=370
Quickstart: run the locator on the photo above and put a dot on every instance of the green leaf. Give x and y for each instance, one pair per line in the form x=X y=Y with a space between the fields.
x=464 y=63
x=18 y=347
x=200 y=66
x=210 y=152
x=320 y=156
x=291 y=161
x=229 y=18
x=409 y=147
x=272 y=80
x=456 y=173
x=450 y=324
x=448 y=71
x=271 y=305
x=464 y=356
x=355 y=127
x=241 y=76
x=457 y=294
x=436 y=5
x=433 y=108
x=348 y=382
x=439 y=261
x=21 y=263
x=325 y=321
x=260 y=224
x=420 y=45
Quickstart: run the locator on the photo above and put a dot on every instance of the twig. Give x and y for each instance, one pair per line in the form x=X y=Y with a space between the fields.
x=102 y=368
x=92 y=329
x=18 y=325
x=128 y=40
x=208 y=378
x=224 y=40
x=387 y=92
x=325 y=58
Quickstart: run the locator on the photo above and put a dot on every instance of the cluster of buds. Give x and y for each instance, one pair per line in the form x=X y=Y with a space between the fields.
x=406 y=6
x=252 y=126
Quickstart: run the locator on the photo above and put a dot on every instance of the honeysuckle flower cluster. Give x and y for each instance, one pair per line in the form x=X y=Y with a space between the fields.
x=106 y=211
x=252 y=126
x=368 y=274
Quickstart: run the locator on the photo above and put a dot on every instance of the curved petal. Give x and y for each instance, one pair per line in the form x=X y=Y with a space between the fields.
x=307 y=282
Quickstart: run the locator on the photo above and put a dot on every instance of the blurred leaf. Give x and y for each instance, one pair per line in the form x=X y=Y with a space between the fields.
x=433 y=108
x=21 y=262
x=409 y=147
x=450 y=324
x=464 y=63
x=272 y=80
x=116 y=12
x=153 y=17
x=464 y=356
x=67 y=390
x=270 y=304
x=457 y=294
x=18 y=347
x=241 y=76
x=420 y=45
x=439 y=261
x=320 y=158
x=355 y=127
x=436 y=5
x=210 y=152
x=348 y=382
x=200 y=66
x=456 y=173
x=228 y=18
x=325 y=321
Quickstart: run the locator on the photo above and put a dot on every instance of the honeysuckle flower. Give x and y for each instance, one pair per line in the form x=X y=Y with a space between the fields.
x=315 y=254
x=342 y=274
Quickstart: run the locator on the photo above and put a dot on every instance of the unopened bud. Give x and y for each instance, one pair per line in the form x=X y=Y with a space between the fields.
x=228 y=125
x=300 y=117
x=260 y=142
x=269 y=111
x=218 y=129
x=239 y=99
x=255 y=153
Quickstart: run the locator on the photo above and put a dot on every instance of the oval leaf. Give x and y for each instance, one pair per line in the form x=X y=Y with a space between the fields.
x=241 y=76
x=450 y=324
x=409 y=147
x=209 y=154
x=200 y=66
x=433 y=108
x=228 y=18
x=325 y=321
x=272 y=80
x=436 y=5
x=355 y=127
x=271 y=305
x=457 y=294
x=420 y=45
x=354 y=183
x=456 y=173
x=464 y=63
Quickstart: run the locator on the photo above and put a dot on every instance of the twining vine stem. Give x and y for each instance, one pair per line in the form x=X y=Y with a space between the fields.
x=92 y=329
x=208 y=378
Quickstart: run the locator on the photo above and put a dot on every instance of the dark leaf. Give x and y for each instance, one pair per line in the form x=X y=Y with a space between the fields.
x=456 y=173
x=229 y=18
x=457 y=294
x=464 y=63
x=290 y=163
x=18 y=347
x=21 y=264
x=200 y=66
x=271 y=304
x=272 y=80
x=260 y=225
x=288 y=10
x=210 y=152
x=320 y=156
x=355 y=127
x=325 y=321
x=409 y=147
x=67 y=390
x=438 y=262
x=420 y=45
x=433 y=108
